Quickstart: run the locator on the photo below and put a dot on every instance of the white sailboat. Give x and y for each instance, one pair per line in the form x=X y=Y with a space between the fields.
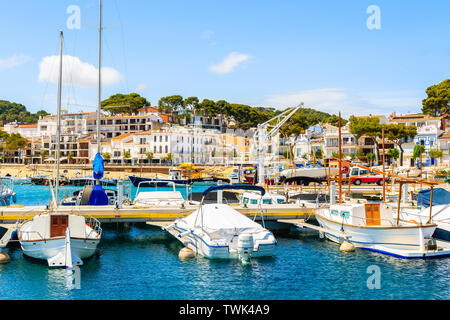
x=217 y=231
x=63 y=239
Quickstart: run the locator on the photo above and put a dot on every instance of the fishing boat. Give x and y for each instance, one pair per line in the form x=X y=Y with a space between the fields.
x=59 y=238
x=217 y=231
x=373 y=227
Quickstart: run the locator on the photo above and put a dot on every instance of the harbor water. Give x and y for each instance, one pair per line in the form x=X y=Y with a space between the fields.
x=141 y=262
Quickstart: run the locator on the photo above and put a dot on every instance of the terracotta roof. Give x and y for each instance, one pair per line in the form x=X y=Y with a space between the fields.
x=122 y=136
x=412 y=117
x=24 y=126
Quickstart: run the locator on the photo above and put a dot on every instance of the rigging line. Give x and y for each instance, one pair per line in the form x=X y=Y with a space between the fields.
x=122 y=32
x=51 y=72
x=72 y=85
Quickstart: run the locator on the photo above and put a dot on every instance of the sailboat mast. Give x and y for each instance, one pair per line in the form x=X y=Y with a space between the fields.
x=58 y=121
x=99 y=77
x=340 y=162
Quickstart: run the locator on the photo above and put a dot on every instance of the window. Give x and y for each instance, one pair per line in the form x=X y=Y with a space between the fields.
x=167 y=138
x=280 y=201
x=253 y=201
x=267 y=201
x=245 y=201
x=335 y=212
x=167 y=149
x=345 y=214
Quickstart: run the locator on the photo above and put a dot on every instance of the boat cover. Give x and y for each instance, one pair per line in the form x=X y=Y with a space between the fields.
x=440 y=196
x=220 y=221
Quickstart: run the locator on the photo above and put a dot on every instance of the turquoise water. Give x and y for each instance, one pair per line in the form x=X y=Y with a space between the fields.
x=142 y=262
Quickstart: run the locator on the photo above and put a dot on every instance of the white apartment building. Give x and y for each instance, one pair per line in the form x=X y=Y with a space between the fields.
x=185 y=145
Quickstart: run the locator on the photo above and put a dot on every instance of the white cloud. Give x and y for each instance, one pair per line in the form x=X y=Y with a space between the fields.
x=335 y=100
x=229 y=63
x=13 y=61
x=141 y=87
x=76 y=72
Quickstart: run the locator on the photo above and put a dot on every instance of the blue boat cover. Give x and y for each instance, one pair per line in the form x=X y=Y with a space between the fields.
x=98 y=196
x=99 y=168
x=440 y=196
x=235 y=187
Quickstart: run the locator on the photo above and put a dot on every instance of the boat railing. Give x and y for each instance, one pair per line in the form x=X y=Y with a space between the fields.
x=30 y=232
x=95 y=226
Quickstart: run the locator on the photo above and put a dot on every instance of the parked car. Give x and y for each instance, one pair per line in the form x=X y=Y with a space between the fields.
x=359 y=176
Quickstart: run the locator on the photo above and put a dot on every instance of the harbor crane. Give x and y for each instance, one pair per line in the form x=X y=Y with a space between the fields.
x=266 y=131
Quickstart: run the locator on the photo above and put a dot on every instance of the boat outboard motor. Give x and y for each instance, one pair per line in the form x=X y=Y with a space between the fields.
x=245 y=246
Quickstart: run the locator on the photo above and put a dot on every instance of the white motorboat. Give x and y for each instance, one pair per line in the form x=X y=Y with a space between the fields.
x=372 y=226
x=217 y=231
x=59 y=238
x=159 y=198
x=440 y=215
x=7 y=195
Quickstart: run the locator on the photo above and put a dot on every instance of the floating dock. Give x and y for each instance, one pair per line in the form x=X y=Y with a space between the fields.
x=129 y=214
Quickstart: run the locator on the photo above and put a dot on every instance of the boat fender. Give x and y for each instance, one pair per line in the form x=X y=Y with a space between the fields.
x=4 y=257
x=186 y=253
x=347 y=246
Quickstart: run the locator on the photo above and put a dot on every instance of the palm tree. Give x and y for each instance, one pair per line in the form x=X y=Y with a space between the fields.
x=149 y=156
x=126 y=155
x=107 y=156
x=394 y=154
x=43 y=154
x=370 y=156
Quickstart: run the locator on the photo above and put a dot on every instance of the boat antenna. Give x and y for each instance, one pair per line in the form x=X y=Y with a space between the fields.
x=58 y=121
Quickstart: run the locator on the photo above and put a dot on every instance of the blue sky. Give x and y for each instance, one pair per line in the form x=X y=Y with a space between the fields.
x=262 y=53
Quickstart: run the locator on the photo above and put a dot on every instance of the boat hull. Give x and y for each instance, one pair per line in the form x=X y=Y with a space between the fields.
x=402 y=242
x=45 y=249
x=210 y=251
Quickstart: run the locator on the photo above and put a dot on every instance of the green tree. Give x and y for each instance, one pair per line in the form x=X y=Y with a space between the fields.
x=15 y=142
x=370 y=157
x=126 y=155
x=437 y=102
x=370 y=127
x=171 y=104
x=43 y=154
x=360 y=155
x=399 y=134
x=124 y=103
x=149 y=156
x=106 y=156
x=70 y=156
x=11 y=111
x=334 y=120
x=418 y=151
x=393 y=153
x=436 y=154
x=191 y=103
